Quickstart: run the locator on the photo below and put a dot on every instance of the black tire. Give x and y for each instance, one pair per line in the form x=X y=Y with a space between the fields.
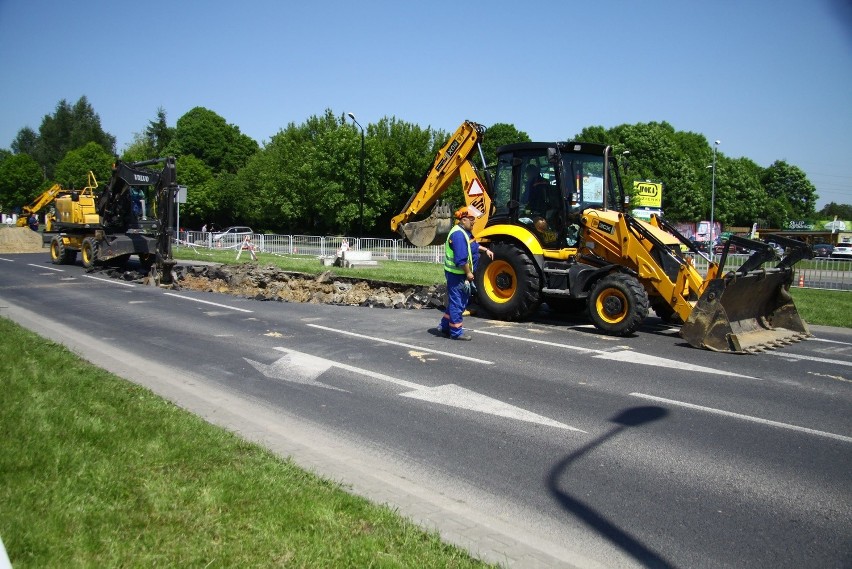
x=508 y=285
x=618 y=304
x=57 y=251
x=89 y=252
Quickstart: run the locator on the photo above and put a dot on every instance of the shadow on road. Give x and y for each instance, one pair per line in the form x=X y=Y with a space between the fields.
x=633 y=417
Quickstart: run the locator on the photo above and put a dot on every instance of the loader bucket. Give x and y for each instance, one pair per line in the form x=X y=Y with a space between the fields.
x=746 y=313
x=431 y=231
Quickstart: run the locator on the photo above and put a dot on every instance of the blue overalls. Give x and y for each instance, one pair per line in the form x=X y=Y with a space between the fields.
x=456 y=255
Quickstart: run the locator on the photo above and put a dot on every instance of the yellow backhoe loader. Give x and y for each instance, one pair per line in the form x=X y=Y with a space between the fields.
x=554 y=216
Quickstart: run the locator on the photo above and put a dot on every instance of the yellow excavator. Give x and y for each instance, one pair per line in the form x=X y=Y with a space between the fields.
x=554 y=214
x=38 y=204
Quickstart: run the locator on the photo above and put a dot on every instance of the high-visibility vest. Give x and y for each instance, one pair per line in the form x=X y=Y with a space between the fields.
x=449 y=256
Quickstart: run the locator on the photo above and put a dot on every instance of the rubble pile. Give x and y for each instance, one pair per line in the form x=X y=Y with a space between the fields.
x=256 y=282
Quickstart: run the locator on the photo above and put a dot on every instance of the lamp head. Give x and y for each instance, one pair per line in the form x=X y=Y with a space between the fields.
x=718 y=142
x=352 y=116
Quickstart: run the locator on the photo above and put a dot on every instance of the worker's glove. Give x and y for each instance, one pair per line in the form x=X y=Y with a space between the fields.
x=466 y=287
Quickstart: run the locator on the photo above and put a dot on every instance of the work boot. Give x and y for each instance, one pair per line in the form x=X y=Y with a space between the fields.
x=463 y=338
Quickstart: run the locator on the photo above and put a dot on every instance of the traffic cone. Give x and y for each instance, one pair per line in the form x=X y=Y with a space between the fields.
x=802 y=280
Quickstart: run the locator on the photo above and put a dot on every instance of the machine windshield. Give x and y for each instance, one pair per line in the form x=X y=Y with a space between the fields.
x=584 y=179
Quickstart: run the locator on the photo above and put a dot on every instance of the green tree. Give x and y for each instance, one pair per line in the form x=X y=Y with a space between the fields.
x=842 y=211
x=68 y=128
x=788 y=183
x=203 y=202
x=158 y=134
x=139 y=149
x=73 y=170
x=497 y=135
x=21 y=181
x=401 y=153
x=26 y=142
x=206 y=135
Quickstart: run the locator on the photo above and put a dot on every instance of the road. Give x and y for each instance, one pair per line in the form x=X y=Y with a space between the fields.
x=540 y=443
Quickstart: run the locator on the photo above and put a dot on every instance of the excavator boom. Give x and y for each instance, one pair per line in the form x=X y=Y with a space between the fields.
x=452 y=161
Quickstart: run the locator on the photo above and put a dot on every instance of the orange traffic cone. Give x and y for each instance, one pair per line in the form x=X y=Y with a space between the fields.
x=802 y=280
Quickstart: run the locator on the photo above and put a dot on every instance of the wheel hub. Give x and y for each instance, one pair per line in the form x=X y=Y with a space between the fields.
x=503 y=281
x=613 y=306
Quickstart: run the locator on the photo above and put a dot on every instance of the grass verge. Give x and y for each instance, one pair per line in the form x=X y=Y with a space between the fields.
x=98 y=472
x=824 y=307
x=816 y=306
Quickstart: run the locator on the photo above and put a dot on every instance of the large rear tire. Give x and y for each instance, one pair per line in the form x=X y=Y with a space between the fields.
x=89 y=252
x=618 y=304
x=509 y=285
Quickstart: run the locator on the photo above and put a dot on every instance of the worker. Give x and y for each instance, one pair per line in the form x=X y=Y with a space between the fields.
x=458 y=271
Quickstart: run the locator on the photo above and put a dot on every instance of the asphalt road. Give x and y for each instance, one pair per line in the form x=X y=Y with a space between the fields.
x=537 y=444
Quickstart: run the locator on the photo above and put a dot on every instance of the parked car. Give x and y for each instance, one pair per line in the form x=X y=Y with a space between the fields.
x=842 y=251
x=231 y=235
x=732 y=250
x=822 y=249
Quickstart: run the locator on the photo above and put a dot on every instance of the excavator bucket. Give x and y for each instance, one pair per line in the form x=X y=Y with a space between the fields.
x=746 y=313
x=431 y=231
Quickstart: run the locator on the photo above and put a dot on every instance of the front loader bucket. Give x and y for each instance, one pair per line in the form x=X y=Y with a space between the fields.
x=746 y=313
x=431 y=231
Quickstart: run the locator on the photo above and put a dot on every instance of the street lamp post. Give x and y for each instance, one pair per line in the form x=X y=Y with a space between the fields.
x=713 y=198
x=361 y=183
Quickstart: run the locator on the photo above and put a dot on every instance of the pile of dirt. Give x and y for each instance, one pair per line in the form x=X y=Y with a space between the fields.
x=256 y=282
x=15 y=239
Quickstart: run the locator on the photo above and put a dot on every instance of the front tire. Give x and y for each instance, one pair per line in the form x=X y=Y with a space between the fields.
x=618 y=304
x=89 y=252
x=60 y=254
x=509 y=284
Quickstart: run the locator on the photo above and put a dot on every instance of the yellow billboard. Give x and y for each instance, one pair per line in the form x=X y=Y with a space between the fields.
x=647 y=194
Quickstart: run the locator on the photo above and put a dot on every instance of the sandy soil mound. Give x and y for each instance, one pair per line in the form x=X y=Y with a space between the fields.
x=19 y=240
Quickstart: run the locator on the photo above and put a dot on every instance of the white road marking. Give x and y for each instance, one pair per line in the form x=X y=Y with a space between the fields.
x=809 y=358
x=7 y=260
x=110 y=281
x=207 y=302
x=45 y=268
x=622 y=355
x=394 y=343
x=631 y=356
x=743 y=417
x=304 y=369
x=829 y=341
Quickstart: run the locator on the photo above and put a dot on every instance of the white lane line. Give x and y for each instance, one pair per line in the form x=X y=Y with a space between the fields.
x=809 y=358
x=110 y=281
x=45 y=268
x=628 y=356
x=7 y=260
x=542 y=342
x=207 y=302
x=392 y=342
x=743 y=417
x=829 y=341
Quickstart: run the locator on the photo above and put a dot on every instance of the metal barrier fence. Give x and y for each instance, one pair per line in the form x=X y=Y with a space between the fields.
x=831 y=274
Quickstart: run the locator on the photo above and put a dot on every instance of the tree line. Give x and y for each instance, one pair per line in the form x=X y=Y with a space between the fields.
x=306 y=178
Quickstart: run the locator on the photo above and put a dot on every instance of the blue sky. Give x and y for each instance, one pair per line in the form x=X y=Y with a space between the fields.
x=771 y=79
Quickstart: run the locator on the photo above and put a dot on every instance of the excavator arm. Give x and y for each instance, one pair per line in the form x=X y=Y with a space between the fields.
x=452 y=161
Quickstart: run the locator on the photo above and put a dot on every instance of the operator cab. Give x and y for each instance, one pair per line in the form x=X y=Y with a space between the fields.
x=545 y=187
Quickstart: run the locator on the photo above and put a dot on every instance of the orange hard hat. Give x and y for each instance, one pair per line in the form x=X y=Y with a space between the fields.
x=467 y=211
